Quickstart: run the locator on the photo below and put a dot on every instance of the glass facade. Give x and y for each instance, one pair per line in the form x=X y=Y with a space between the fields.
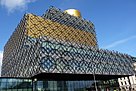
x=25 y=84
x=87 y=85
x=62 y=85
x=15 y=84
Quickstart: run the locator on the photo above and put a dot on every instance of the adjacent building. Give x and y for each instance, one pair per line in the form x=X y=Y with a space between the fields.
x=58 y=51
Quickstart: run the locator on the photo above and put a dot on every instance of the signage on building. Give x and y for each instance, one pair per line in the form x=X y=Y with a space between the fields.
x=127 y=83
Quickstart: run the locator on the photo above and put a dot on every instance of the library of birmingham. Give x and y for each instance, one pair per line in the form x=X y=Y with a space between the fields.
x=58 y=51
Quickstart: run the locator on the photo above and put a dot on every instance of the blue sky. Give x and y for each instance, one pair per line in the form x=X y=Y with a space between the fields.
x=114 y=20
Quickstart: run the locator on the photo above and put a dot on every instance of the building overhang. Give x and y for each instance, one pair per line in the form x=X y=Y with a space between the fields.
x=75 y=77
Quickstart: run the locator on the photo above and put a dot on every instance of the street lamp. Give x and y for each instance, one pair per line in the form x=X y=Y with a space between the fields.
x=94 y=79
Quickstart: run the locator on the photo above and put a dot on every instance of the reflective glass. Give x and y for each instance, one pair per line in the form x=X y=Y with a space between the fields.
x=9 y=84
x=12 y=84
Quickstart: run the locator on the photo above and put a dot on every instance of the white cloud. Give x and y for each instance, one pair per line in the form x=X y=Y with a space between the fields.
x=12 y=5
x=116 y=43
x=1 y=56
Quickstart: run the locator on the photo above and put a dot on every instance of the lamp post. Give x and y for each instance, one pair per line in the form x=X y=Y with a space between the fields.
x=34 y=83
x=94 y=79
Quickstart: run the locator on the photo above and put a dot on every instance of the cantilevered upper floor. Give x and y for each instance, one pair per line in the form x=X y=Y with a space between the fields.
x=60 y=43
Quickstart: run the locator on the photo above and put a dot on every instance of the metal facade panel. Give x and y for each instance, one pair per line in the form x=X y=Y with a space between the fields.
x=41 y=45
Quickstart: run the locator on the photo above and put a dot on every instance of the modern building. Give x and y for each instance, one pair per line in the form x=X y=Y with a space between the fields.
x=58 y=51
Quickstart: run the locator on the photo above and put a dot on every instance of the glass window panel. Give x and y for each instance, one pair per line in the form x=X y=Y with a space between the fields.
x=4 y=80
x=39 y=85
x=3 y=85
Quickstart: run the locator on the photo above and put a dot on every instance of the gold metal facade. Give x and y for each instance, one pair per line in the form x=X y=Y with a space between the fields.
x=38 y=27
